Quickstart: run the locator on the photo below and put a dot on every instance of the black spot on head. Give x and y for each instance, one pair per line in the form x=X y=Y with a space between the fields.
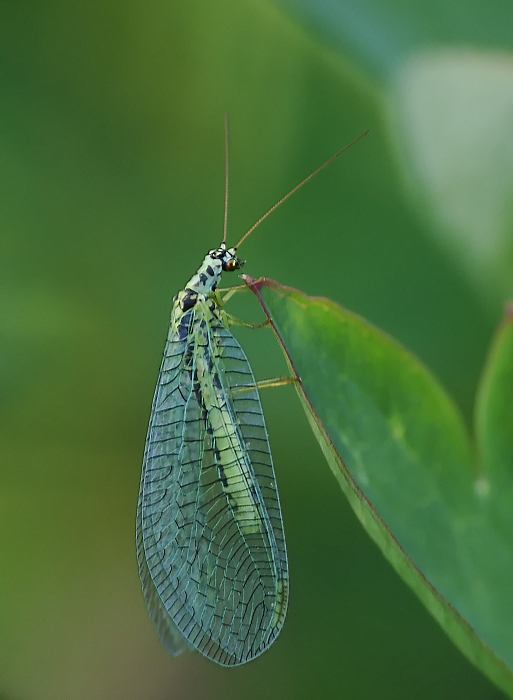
x=232 y=264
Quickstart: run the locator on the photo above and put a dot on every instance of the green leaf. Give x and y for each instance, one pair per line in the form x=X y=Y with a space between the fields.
x=494 y=414
x=399 y=449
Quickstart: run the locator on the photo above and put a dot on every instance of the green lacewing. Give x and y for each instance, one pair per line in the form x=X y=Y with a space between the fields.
x=210 y=538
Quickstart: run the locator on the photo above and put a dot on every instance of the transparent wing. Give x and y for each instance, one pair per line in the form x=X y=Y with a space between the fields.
x=244 y=401
x=210 y=536
x=163 y=445
x=168 y=632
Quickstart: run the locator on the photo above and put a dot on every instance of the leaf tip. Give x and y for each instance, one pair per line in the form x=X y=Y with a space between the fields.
x=252 y=283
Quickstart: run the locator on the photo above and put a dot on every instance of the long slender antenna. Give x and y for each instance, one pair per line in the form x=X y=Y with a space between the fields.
x=227 y=163
x=303 y=182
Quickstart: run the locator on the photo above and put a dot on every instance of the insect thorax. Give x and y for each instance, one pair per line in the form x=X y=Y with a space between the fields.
x=204 y=282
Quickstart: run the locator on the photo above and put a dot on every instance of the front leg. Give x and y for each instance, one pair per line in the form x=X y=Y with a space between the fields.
x=221 y=300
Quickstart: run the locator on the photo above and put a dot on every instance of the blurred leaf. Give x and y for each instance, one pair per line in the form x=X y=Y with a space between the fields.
x=450 y=113
x=380 y=36
x=453 y=119
x=494 y=419
x=399 y=450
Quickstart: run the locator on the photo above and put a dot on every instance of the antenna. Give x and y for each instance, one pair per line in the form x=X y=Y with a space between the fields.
x=296 y=188
x=227 y=161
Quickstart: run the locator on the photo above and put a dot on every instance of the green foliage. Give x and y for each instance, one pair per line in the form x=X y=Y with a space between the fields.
x=112 y=184
x=446 y=73
x=398 y=448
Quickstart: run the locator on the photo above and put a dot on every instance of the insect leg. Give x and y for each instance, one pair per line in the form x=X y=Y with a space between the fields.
x=277 y=381
x=268 y=384
x=230 y=291
x=234 y=321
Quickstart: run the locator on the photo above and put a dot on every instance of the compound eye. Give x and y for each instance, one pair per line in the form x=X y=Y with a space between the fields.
x=231 y=265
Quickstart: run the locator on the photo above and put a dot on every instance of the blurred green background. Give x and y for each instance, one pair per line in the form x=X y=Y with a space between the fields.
x=112 y=177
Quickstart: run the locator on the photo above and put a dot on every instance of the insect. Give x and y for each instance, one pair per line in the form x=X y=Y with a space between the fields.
x=210 y=538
